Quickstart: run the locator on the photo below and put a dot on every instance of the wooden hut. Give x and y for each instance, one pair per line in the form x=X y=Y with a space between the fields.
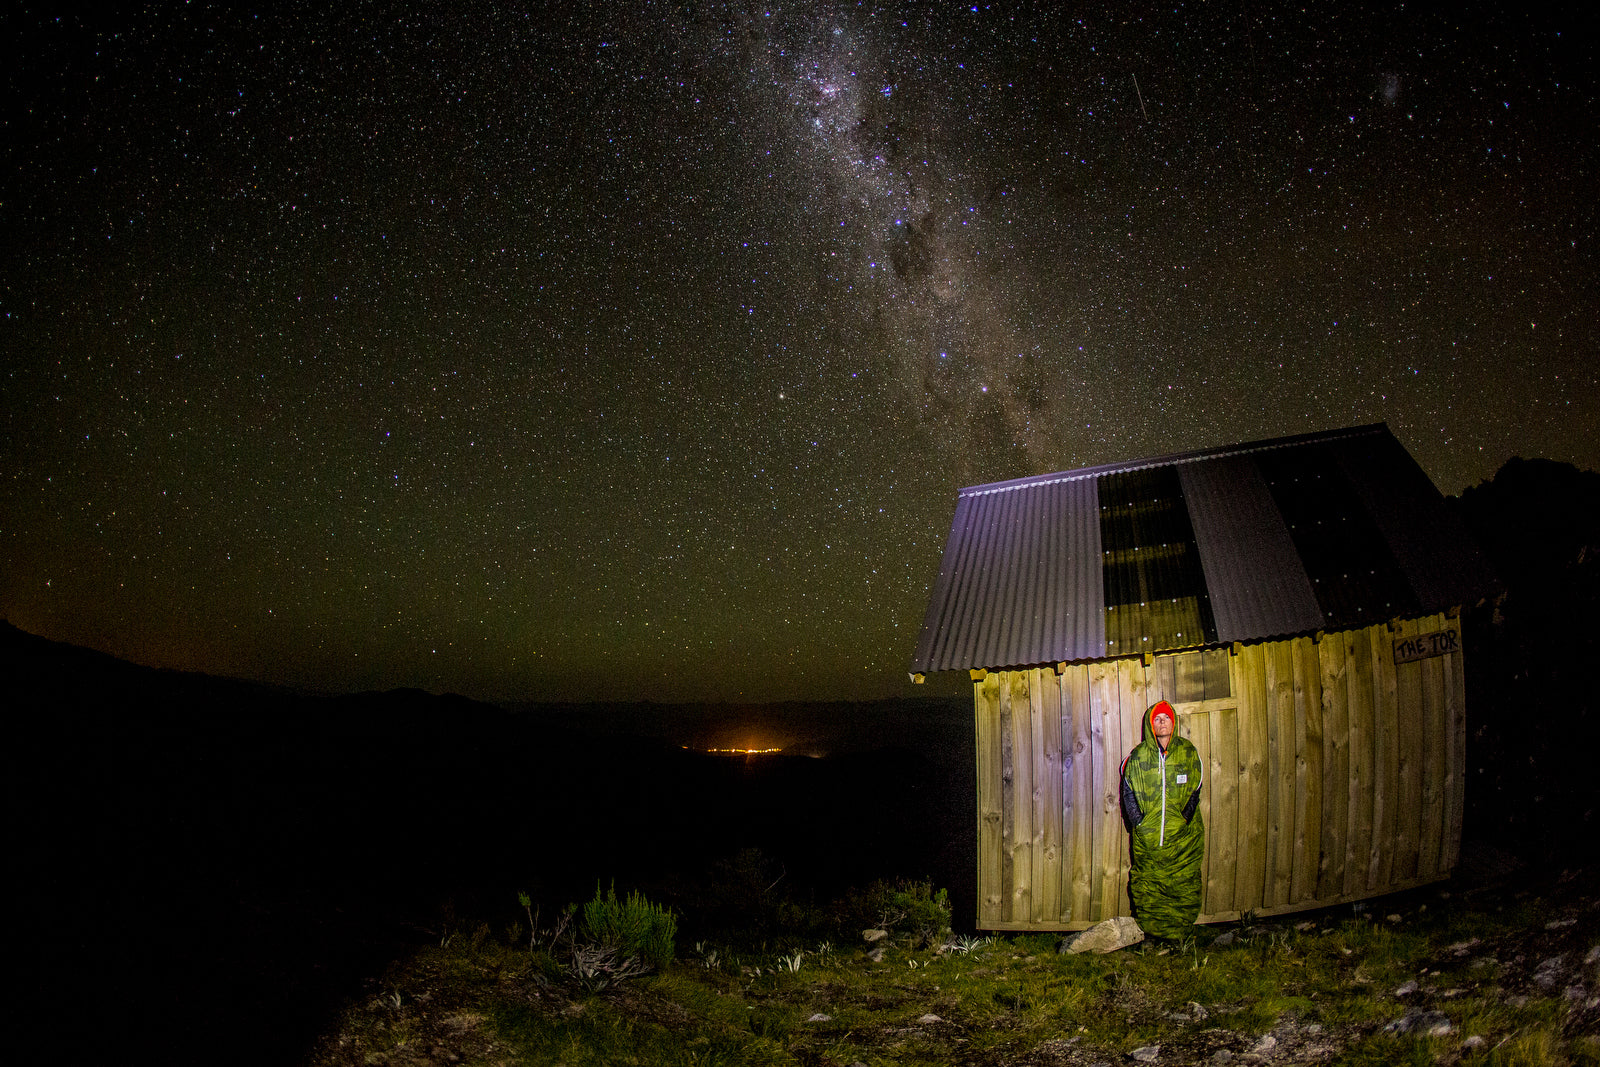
x=1297 y=600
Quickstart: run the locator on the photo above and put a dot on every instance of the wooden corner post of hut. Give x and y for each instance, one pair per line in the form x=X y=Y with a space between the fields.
x=1297 y=601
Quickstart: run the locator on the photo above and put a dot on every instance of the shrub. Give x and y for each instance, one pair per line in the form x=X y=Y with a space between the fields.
x=616 y=939
x=905 y=907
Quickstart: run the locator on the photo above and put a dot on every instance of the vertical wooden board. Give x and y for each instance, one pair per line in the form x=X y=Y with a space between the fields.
x=1222 y=821
x=1022 y=798
x=1067 y=801
x=1386 y=796
x=1275 y=746
x=1109 y=829
x=1358 y=855
x=1023 y=795
x=1105 y=761
x=1331 y=655
x=1410 y=744
x=1008 y=798
x=1309 y=743
x=1282 y=761
x=1436 y=738
x=986 y=710
x=1080 y=790
x=1302 y=869
x=1196 y=727
x=1135 y=688
x=1456 y=772
x=1250 y=682
x=1044 y=695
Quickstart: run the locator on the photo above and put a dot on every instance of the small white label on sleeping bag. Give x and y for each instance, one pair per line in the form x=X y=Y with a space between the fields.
x=1183 y=779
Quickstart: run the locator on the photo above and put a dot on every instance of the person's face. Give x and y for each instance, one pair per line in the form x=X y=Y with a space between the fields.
x=1161 y=725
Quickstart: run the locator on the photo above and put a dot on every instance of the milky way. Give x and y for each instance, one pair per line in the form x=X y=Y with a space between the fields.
x=639 y=352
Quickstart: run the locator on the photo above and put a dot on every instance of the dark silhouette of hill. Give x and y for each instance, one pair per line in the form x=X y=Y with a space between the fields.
x=202 y=860
x=1530 y=659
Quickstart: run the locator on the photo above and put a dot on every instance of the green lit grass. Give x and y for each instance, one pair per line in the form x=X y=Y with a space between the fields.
x=999 y=999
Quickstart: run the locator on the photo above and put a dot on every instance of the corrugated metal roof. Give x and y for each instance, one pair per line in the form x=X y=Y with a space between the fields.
x=1253 y=541
x=1021 y=572
x=1252 y=569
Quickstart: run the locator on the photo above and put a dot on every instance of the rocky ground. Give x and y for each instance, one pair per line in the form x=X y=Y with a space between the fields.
x=1538 y=958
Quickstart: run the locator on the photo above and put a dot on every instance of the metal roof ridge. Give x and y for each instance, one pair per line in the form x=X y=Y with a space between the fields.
x=1248 y=448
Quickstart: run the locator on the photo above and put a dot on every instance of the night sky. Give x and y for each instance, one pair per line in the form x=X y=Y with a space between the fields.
x=639 y=352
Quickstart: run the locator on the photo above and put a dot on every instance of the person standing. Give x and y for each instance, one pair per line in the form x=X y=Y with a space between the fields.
x=1161 y=781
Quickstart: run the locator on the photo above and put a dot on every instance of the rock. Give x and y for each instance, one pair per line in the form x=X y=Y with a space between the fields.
x=1107 y=936
x=1392 y=918
x=1146 y=1054
x=1425 y=1023
x=871 y=936
x=1461 y=948
x=1407 y=988
x=1227 y=937
x=1593 y=956
x=1222 y=1055
x=929 y=1019
x=1558 y=924
x=1305 y=926
x=1265 y=1044
x=1197 y=1012
x=820 y=1018
x=875 y=954
x=1574 y=992
x=1473 y=1043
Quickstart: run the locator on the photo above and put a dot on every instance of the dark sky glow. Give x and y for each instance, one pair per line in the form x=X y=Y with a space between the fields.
x=638 y=352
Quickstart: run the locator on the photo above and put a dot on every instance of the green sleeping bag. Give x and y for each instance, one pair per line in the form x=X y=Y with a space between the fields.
x=1160 y=804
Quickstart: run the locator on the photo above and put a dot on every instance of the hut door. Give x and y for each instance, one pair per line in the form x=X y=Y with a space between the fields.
x=1213 y=727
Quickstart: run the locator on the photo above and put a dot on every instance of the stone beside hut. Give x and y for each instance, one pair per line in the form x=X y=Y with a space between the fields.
x=1297 y=601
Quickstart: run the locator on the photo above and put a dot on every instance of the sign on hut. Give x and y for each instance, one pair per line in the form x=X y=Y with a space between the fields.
x=1297 y=600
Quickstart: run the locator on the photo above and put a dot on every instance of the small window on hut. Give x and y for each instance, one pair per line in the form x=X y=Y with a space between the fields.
x=1194 y=676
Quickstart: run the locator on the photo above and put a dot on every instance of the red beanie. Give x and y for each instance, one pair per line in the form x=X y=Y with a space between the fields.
x=1163 y=708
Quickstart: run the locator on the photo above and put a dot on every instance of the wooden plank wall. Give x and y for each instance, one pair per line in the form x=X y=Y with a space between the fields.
x=1331 y=775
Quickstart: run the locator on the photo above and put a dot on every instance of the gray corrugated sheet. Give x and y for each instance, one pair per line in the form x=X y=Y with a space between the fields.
x=1024 y=579
x=1253 y=573
x=1021 y=573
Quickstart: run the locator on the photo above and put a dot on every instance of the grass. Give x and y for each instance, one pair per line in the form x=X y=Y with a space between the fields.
x=996 y=1000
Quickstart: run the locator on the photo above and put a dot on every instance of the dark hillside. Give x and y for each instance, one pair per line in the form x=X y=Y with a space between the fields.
x=204 y=859
x=1532 y=657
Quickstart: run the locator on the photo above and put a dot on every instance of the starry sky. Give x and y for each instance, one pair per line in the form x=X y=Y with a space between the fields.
x=637 y=351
